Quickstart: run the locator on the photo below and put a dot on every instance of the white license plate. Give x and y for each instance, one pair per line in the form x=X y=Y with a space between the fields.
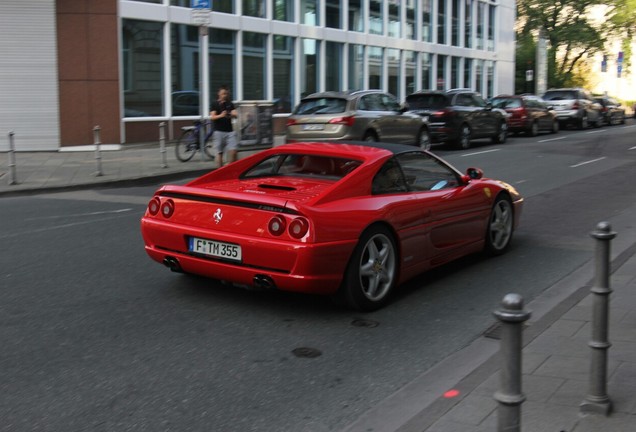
x=313 y=127
x=216 y=249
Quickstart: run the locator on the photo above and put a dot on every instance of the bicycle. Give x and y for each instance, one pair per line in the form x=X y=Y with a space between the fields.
x=188 y=143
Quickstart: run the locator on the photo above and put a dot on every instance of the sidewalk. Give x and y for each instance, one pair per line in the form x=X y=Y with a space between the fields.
x=556 y=355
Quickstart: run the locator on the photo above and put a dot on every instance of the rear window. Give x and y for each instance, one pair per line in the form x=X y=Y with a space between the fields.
x=504 y=103
x=321 y=106
x=302 y=165
x=560 y=95
x=426 y=101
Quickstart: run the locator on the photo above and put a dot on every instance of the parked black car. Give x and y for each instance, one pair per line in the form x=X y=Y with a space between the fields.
x=575 y=106
x=529 y=114
x=612 y=112
x=458 y=116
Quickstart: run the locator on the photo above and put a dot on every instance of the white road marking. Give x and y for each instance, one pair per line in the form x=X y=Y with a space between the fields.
x=520 y=181
x=481 y=152
x=81 y=214
x=595 y=131
x=632 y=148
x=68 y=225
x=552 y=139
x=587 y=162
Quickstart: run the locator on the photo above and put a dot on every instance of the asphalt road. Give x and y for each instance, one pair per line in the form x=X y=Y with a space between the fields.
x=97 y=337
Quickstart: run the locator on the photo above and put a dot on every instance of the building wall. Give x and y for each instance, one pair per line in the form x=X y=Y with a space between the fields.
x=29 y=98
x=88 y=70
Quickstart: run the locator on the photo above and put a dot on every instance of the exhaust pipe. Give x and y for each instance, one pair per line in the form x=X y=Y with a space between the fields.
x=264 y=282
x=173 y=264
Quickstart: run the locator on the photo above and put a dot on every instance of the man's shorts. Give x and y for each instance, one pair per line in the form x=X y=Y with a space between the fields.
x=224 y=141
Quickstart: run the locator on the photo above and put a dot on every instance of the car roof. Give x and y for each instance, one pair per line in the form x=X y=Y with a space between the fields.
x=348 y=94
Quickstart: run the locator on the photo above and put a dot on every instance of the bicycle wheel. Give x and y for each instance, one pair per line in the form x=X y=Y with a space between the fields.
x=208 y=147
x=187 y=145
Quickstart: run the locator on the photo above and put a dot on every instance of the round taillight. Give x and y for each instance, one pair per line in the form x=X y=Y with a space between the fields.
x=153 y=206
x=167 y=208
x=298 y=228
x=277 y=225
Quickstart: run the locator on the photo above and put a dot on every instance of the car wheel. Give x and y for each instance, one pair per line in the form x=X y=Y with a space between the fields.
x=555 y=127
x=463 y=141
x=370 y=136
x=583 y=124
x=372 y=271
x=502 y=134
x=599 y=121
x=424 y=139
x=622 y=119
x=499 y=230
x=534 y=129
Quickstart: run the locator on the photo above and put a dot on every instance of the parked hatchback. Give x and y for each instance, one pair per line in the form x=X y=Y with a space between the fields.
x=529 y=114
x=611 y=110
x=459 y=116
x=368 y=115
x=574 y=106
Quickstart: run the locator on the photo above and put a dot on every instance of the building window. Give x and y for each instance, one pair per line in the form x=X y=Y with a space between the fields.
x=356 y=67
x=468 y=73
x=309 y=12
x=394 y=19
x=333 y=14
x=441 y=22
x=143 y=67
x=356 y=18
x=427 y=20
x=283 y=64
x=480 y=25
x=409 y=71
x=309 y=66
x=254 y=50
x=333 y=66
x=184 y=76
x=393 y=59
x=375 y=67
x=427 y=75
x=456 y=4
x=468 y=24
x=491 y=27
x=455 y=72
x=255 y=8
x=490 y=78
x=441 y=72
x=376 y=18
x=283 y=10
x=222 y=62
x=409 y=27
x=479 y=65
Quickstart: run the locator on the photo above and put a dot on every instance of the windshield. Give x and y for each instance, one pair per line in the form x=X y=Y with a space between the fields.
x=504 y=103
x=560 y=95
x=321 y=106
x=424 y=101
x=302 y=165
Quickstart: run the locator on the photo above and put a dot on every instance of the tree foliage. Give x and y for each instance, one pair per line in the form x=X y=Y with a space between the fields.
x=572 y=31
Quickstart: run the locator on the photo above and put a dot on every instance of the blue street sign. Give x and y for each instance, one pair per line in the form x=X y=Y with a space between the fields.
x=201 y=4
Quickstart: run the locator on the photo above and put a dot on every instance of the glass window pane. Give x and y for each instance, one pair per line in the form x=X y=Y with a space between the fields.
x=143 y=68
x=427 y=75
x=455 y=72
x=356 y=18
x=478 y=75
x=310 y=67
x=468 y=24
x=254 y=65
x=456 y=4
x=226 y=6
x=394 y=20
x=409 y=29
x=283 y=10
x=441 y=21
x=309 y=12
x=480 y=25
x=492 y=10
x=375 y=67
x=468 y=76
x=333 y=14
x=394 y=72
x=409 y=71
x=184 y=76
x=490 y=78
x=255 y=8
x=356 y=67
x=221 y=59
x=283 y=63
x=427 y=20
x=150 y=1
x=375 y=17
x=333 y=66
x=441 y=72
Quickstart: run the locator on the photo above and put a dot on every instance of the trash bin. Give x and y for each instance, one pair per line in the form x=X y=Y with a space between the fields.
x=254 y=125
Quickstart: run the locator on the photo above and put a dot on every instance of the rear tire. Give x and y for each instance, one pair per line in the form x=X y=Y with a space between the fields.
x=371 y=273
x=424 y=139
x=186 y=146
x=370 y=136
x=555 y=127
x=502 y=134
x=583 y=123
x=534 y=129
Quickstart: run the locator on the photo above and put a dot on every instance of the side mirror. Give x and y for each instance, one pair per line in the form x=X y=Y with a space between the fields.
x=474 y=173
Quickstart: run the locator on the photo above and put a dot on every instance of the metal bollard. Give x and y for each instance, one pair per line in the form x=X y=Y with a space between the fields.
x=509 y=396
x=162 y=144
x=12 y=177
x=597 y=400
x=98 y=155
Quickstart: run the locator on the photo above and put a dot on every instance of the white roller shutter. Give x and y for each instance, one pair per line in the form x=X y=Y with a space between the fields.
x=29 y=95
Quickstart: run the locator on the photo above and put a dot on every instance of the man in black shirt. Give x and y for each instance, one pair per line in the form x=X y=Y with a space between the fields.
x=224 y=138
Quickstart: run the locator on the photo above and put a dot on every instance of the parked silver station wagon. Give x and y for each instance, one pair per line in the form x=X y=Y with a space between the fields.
x=368 y=115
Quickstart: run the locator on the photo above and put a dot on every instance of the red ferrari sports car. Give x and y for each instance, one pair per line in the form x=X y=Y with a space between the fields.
x=351 y=220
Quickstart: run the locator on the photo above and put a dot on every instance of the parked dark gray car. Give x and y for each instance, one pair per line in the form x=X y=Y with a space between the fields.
x=369 y=115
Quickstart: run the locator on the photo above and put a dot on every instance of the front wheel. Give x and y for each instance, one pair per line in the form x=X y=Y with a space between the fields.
x=187 y=145
x=500 y=225
x=463 y=141
x=370 y=136
x=502 y=134
x=555 y=126
x=371 y=273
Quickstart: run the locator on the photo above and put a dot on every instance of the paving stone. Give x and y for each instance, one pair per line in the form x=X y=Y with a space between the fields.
x=472 y=410
x=571 y=368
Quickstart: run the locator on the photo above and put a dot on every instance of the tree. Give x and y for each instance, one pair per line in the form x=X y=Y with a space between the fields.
x=572 y=32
